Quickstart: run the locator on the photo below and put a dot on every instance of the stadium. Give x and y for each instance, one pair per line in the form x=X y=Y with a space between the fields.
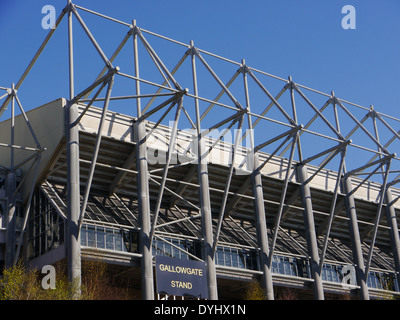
x=255 y=178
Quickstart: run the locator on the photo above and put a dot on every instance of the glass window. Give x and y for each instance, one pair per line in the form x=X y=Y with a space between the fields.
x=175 y=251
x=220 y=257
x=227 y=258
x=284 y=265
x=118 y=241
x=335 y=275
x=100 y=235
x=91 y=236
x=235 y=259
x=110 y=239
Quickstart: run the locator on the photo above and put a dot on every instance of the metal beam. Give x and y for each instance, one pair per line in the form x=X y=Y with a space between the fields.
x=290 y=132
x=377 y=219
x=338 y=134
x=279 y=214
x=238 y=195
x=291 y=121
x=143 y=190
x=227 y=187
x=355 y=239
x=380 y=162
x=178 y=65
x=154 y=55
x=261 y=224
x=73 y=196
x=10 y=219
x=182 y=186
x=27 y=209
x=246 y=183
x=171 y=150
x=28 y=124
x=308 y=124
x=230 y=95
x=172 y=100
x=110 y=74
x=394 y=231
x=311 y=234
x=276 y=98
x=11 y=186
x=258 y=192
x=91 y=37
x=115 y=54
x=378 y=144
x=332 y=210
x=73 y=242
x=220 y=94
x=129 y=162
x=36 y=57
x=204 y=196
x=95 y=152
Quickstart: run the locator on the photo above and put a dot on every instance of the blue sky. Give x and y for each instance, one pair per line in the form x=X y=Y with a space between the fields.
x=301 y=38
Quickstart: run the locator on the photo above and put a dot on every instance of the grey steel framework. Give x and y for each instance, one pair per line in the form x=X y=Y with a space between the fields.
x=306 y=130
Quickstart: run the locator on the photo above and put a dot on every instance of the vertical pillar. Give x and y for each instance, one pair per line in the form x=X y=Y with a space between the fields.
x=205 y=205
x=143 y=191
x=144 y=213
x=310 y=231
x=10 y=189
x=261 y=225
x=204 y=196
x=394 y=232
x=73 y=241
x=10 y=219
x=73 y=196
x=355 y=239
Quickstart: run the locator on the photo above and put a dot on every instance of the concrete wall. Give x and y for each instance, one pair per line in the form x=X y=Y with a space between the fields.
x=117 y=126
x=47 y=122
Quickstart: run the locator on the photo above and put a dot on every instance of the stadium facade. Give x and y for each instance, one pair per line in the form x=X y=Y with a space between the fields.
x=248 y=191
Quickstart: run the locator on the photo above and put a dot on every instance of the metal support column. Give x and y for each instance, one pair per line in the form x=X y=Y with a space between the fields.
x=261 y=224
x=355 y=239
x=73 y=196
x=73 y=241
x=143 y=191
x=144 y=212
x=394 y=232
x=11 y=200
x=10 y=219
x=204 y=196
x=310 y=231
x=205 y=205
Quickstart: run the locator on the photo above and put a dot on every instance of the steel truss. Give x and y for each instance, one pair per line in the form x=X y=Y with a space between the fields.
x=237 y=103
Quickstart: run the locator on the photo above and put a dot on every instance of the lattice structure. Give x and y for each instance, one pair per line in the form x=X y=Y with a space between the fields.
x=230 y=151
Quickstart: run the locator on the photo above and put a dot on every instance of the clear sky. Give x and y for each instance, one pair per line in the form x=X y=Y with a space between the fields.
x=299 y=38
x=303 y=38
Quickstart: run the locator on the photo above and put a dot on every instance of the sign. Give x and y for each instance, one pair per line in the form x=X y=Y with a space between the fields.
x=181 y=277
